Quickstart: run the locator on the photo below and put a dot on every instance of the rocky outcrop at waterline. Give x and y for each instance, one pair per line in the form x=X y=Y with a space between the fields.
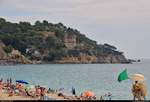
x=15 y=57
x=113 y=59
x=110 y=59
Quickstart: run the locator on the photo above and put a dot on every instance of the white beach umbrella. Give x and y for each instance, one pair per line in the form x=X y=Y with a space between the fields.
x=138 y=77
x=28 y=87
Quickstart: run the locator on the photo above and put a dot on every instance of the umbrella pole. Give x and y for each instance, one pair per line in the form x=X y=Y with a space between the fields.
x=130 y=78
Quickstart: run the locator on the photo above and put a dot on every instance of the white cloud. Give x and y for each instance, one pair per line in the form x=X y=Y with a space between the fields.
x=1 y=2
x=96 y=10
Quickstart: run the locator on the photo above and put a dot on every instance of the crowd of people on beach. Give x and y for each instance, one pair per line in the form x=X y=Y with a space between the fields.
x=19 y=89
x=40 y=93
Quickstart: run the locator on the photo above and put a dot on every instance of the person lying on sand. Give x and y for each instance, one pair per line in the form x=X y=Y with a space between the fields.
x=11 y=93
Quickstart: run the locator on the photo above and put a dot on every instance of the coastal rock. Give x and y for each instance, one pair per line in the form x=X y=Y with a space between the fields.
x=112 y=59
x=3 y=55
x=16 y=57
x=93 y=59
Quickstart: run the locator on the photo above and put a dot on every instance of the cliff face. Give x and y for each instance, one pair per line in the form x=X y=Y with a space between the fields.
x=113 y=59
x=82 y=59
x=15 y=57
x=110 y=59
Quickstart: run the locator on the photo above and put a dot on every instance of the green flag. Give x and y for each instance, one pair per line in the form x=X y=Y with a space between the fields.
x=123 y=76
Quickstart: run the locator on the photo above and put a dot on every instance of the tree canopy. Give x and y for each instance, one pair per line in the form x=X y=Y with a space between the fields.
x=24 y=35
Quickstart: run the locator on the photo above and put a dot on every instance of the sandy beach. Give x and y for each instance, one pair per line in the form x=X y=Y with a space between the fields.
x=5 y=96
x=21 y=90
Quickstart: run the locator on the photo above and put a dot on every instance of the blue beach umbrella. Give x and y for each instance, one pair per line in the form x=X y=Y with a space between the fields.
x=22 y=81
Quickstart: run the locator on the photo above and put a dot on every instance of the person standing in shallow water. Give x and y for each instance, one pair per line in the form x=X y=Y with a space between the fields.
x=10 y=81
x=109 y=95
x=73 y=91
x=139 y=91
x=42 y=95
x=135 y=89
x=1 y=88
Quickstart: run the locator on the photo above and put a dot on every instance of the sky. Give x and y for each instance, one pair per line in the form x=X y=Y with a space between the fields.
x=122 y=23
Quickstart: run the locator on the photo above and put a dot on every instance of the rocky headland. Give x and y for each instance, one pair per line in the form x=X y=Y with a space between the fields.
x=44 y=42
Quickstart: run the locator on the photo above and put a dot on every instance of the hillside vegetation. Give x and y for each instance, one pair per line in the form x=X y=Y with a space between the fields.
x=48 y=42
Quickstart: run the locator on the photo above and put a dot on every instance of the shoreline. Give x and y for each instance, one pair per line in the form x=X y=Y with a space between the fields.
x=62 y=64
x=21 y=90
x=2 y=63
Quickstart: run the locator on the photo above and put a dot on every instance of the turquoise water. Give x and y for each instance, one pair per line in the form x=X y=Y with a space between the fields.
x=100 y=78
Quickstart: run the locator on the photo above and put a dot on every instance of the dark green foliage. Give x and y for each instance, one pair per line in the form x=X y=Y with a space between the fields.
x=2 y=21
x=38 y=26
x=24 y=35
x=15 y=41
x=110 y=47
x=25 y=26
x=51 y=42
x=55 y=55
x=60 y=34
x=45 y=23
x=8 y=49
x=8 y=28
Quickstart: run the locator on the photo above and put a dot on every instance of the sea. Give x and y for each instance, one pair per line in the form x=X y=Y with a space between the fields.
x=99 y=78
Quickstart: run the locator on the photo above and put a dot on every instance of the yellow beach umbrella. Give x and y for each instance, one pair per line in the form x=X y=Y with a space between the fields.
x=138 y=77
